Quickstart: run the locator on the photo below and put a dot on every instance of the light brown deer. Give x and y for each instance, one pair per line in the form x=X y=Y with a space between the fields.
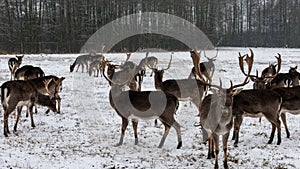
x=216 y=117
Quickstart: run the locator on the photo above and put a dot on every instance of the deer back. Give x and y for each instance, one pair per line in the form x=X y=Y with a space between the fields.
x=253 y=102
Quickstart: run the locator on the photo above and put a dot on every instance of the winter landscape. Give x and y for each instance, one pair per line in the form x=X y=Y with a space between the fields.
x=84 y=135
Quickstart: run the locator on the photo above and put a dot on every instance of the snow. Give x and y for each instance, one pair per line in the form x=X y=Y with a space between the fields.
x=84 y=135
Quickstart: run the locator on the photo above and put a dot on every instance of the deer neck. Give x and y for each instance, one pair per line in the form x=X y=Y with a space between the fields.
x=158 y=80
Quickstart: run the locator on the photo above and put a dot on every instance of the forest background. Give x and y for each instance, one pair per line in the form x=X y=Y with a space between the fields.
x=63 y=26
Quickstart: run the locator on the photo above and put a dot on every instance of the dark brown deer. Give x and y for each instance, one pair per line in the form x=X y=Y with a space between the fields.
x=290 y=103
x=28 y=72
x=256 y=103
x=18 y=93
x=216 y=116
x=206 y=68
x=267 y=76
x=184 y=89
x=14 y=64
x=294 y=76
x=143 y=105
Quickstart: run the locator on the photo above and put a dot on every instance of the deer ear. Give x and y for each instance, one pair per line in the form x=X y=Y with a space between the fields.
x=296 y=67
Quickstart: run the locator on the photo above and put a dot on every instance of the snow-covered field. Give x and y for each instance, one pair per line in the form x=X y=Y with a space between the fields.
x=84 y=135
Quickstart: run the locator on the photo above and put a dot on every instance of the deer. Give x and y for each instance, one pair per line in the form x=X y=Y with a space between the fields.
x=136 y=82
x=14 y=64
x=290 y=103
x=83 y=61
x=206 y=68
x=143 y=105
x=152 y=61
x=216 y=115
x=184 y=89
x=15 y=94
x=95 y=67
x=289 y=95
x=294 y=76
x=256 y=103
x=28 y=72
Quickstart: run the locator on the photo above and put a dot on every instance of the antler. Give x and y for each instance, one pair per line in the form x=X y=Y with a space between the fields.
x=196 y=62
x=278 y=66
x=249 y=61
x=169 y=63
x=132 y=72
x=213 y=58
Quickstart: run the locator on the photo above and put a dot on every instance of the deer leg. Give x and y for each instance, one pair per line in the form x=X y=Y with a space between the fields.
x=283 y=119
x=225 y=141
x=123 y=129
x=237 y=124
x=272 y=134
x=58 y=102
x=216 y=142
x=19 y=110
x=77 y=67
x=278 y=132
x=6 y=114
x=211 y=153
x=167 y=129
x=155 y=123
x=31 y=115
x=134 y=125
x=178 y=131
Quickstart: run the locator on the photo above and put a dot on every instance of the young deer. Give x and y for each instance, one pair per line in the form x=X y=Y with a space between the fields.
x=14 y=64
x=82 y=60
x=143 y=105
x=18 y=93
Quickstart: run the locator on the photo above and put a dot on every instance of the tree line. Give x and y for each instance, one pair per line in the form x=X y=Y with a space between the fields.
x=63 y=26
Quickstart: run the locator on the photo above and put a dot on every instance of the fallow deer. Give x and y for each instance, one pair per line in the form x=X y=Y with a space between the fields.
x=206 y=68
x=151 y=61
x=84 y=61
x=184 y=89
x=143 y=105
x=28 y=72
x=216 y=116
x=25 y=92
x=136 y=81
x=256 y=103
x=95 y=67
x=14 y=64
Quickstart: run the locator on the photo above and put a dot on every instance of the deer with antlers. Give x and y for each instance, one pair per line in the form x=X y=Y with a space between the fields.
x=142 y=105
x=207 y=68
x=216 y=116
x=268 y=75
x=256 y=103
x=184 y=89
x=15 y=94
x=151 y=61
